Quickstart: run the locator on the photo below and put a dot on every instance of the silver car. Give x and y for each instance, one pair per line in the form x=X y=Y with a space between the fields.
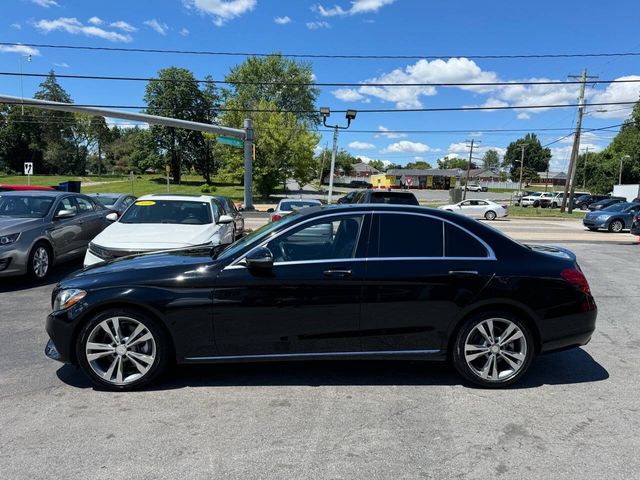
x=39 y=229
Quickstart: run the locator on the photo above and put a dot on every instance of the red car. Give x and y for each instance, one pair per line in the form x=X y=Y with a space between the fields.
x=11 y=188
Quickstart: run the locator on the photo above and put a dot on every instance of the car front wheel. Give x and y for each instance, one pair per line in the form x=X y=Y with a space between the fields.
x=493 y=350
x=616 y=226
x=39 y=261
x=490 y=215
x=122 y=349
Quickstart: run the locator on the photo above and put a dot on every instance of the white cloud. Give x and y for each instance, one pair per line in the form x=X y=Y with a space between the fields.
x=616 y=92
x=184 y=32
x=282 y=20
x=22 y=49
x=357 y=7
x=385 y=132
x=523 y=116
x=158 y=27
x=61 y=64
x=17 y=26
x=490 y=104
x=124 y=26
x=361 y=145
x=347 y=95
x=405 y=146
x=95 y=21
x=75 y=27
x=46 y=3
x=318 y=25
x=222 y=10
x=461 y=150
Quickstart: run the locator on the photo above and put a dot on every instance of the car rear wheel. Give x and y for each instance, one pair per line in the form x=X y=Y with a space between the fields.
x=122 y=349
x=616 y=226
x=39 y=261
x=490 y=215
x=493 y=350
x=536 y=204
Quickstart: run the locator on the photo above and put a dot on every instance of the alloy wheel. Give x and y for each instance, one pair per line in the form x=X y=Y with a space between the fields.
x=120 y=350
x=616 y=226
x=490 y=215
x=40 y=262
x=495 y=349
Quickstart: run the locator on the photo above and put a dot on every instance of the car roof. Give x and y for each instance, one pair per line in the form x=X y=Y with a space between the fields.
x=104 y=194
x=37 y=193
x=298 y=200
x=176 y=196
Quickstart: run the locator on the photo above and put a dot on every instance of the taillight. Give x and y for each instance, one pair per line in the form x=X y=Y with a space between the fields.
x=275 y=217
x=576 y=278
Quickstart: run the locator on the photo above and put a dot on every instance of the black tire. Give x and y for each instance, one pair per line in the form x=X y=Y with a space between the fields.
x=554 y=205
x=616 y=226
x=468 y=330
x=593 y=229
x=34 y=270
x=490 y=215
x=162 y=353
x=536 y=204
x=584 y=207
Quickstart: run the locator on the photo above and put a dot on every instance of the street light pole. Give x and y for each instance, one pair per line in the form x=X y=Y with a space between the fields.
x=522 y=147
x=350 y=115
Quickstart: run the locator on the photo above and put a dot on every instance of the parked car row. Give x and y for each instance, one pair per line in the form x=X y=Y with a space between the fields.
x=39 y=229
x=615 y=218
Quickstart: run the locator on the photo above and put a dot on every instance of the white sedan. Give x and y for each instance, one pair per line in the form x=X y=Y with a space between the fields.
x=162 y=222
x=478 y=208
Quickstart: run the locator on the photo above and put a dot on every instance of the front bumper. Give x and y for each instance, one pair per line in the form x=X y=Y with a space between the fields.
x=593 y=223
x=60 y=326
x=13 y=260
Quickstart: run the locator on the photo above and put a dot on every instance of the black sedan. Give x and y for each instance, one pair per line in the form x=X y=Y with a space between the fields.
x=354 y=281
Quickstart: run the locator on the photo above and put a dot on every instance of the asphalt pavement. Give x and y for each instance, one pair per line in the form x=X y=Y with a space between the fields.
x=575 y=415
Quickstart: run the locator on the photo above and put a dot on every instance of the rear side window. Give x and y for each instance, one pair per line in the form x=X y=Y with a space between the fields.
x=395 y=198
x=459 y=243
x=402 y=236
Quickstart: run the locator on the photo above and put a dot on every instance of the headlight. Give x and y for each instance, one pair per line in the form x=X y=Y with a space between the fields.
x=9 y=239
x=67 y=298
x=602 y=218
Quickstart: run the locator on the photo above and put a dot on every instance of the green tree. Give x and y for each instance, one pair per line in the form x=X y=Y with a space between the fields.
x=177 y=94
x=536 y=157
x=344 y=162
x=491 y=159
x=419 y=165
x=283 y=82
x=20 y=139
x=455 y=162
x=378 y=165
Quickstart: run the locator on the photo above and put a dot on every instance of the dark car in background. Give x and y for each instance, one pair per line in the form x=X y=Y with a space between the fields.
x=359 y=184
x=232 y=210
x=615 y=218
x=453 y=290
x=114 y=202
x=583 y=201
x=394 y=197
x=607 y=202
x=635 y=224
x=39 y=229
x=348 y=198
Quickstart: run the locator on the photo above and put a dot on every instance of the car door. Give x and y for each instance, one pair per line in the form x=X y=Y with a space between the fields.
x=421 y=272
x=308 y=303
x=90 y=218
x=226 y=229
x=470 y=208
x=629 y=214
x=66 y=233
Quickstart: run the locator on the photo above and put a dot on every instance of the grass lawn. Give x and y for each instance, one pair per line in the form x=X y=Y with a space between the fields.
x=515 y=211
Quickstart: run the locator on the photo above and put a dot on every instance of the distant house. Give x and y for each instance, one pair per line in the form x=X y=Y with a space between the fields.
x=363 y=170
x=432 y=178
x=552 y=177
x=483 y=175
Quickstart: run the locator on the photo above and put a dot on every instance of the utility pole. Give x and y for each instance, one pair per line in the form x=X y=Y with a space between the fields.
x=333 y=163
x=570 y=185
x=466 y=183
x=522 y=147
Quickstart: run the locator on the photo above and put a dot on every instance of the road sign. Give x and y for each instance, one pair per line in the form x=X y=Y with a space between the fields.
x=408 y=181
x=28 y=168
x=234 y=142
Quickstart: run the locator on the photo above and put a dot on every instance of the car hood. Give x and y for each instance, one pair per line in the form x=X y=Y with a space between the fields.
x=154 y=236
x=9 y=225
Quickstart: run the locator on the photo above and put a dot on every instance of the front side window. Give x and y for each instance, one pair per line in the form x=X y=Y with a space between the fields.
x=327 y=239
x=84 y=205
x=402 y=236
x=66 y=203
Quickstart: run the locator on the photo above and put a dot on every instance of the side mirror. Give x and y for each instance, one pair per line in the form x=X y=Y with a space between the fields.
x=65 y=214
x=260 y=259
x=224 y=219
x=112 y=217
x=270 y=210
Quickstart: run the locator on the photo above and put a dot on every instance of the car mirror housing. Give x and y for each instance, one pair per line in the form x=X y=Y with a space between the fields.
x=224 y=219
x=112 y=217
x=65 y=214
x=260 y=259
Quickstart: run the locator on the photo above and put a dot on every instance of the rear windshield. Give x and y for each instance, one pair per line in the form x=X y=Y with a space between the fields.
x=396 y=198
x=290 y=206
x=168 y=211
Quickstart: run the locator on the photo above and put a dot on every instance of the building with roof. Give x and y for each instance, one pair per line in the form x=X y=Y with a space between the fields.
x=432 y=178
x=552 y=177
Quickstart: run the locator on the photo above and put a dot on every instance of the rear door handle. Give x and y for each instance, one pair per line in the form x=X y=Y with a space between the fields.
x=463 y=272
x=337 y=273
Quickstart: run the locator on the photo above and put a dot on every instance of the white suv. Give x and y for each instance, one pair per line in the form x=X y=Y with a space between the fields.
x=533 y=200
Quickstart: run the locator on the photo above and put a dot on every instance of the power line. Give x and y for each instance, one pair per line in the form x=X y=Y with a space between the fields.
x=324 y=55
x=317 y=84
x=365 y=110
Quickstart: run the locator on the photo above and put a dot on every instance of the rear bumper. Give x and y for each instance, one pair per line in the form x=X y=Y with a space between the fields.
x=568 y=332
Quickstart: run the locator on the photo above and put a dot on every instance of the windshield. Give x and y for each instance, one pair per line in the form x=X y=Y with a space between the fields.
x=256 y=236
x=25 y=206
x=168 y=211
x=618 y=207
x=106 y=201
x=290 y=206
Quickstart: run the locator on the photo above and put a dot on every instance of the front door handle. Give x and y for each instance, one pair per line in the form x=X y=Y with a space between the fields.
x=337 y=273
x=463 y=272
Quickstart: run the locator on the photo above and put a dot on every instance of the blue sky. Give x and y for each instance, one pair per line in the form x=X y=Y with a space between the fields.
x=383 y=27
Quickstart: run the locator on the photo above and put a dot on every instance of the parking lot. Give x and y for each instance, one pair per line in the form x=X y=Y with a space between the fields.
x=575 y=415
